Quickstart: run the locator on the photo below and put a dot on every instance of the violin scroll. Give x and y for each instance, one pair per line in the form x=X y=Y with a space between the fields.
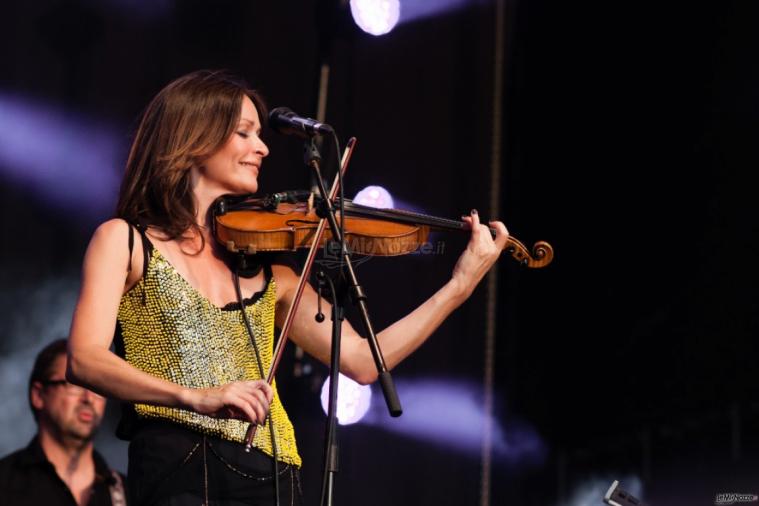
x=542 y=253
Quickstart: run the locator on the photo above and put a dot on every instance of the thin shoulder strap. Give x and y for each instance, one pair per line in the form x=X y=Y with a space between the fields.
x=146 y=250
x=146 y=247
x=131 y=245
x=267 y=272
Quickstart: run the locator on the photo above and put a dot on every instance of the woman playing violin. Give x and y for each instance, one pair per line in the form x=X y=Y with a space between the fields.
x=184 y=363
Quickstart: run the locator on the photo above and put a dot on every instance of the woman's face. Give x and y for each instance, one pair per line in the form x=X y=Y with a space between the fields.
x=234 y=168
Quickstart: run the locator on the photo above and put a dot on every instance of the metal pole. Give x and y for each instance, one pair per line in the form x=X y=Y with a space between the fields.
x=492 y=281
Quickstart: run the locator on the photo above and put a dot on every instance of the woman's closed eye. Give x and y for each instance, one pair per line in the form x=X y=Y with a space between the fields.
x=245 y=134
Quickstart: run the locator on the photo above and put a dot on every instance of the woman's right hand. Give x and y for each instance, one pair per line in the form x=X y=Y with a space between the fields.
x=241 y=400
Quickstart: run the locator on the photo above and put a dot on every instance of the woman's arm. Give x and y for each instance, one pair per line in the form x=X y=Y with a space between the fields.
x=404 y=336
x=105 y=278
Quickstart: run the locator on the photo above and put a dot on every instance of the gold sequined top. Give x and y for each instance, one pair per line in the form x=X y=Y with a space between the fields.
x=171 y=331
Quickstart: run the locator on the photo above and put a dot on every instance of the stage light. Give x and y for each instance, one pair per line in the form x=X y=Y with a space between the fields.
x=415 y=10
x=353 y=400
x=66 y=159
x=450 y=414
x=376 y=17
x=591 y=491
x=374 y=196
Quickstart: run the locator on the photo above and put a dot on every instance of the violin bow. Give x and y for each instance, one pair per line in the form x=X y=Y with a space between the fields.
x=280 y=347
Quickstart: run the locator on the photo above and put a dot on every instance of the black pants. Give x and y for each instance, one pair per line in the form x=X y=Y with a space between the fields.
x=173 y=466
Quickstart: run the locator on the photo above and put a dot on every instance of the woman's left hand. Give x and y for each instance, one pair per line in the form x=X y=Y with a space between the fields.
x=481 y=253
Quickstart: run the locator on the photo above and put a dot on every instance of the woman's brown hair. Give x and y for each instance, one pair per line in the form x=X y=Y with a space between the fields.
x=189 y=120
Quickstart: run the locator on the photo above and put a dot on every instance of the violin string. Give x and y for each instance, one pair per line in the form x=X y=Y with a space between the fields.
x=403 y=216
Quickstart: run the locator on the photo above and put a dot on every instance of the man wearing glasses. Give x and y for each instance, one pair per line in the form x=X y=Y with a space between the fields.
x=60 y=465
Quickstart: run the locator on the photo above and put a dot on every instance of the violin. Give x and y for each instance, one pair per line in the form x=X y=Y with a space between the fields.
x=288 y=221
x=291 y=220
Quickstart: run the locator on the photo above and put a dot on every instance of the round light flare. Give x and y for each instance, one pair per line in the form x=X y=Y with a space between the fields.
x=376 y=17
x=353 y=400
x=375 y=196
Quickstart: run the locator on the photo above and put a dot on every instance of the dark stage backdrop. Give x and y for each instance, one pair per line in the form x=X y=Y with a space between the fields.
x=628 y=143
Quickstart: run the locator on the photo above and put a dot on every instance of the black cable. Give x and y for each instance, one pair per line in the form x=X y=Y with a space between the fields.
x=260 y=373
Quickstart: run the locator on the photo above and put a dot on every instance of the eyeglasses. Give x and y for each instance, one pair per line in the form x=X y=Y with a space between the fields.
x=69 y=388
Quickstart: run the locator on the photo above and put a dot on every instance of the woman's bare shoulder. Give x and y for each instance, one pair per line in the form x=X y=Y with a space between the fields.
x=109 y=234
x=110 y=246
x=286 y=279
x=283 y=274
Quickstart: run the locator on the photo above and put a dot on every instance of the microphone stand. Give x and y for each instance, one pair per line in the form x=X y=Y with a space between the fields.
x=312 y=159
x=331 y=465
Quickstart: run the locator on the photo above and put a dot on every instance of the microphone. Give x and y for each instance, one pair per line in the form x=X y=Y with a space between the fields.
x=284 y=121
